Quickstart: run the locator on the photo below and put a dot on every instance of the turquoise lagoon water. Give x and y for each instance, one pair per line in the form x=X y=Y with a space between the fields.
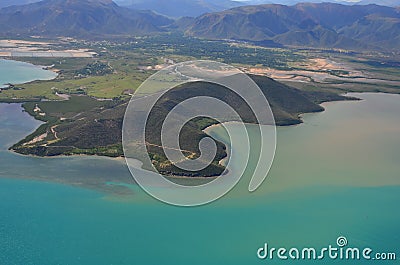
x=19 y=72
x=335 y=175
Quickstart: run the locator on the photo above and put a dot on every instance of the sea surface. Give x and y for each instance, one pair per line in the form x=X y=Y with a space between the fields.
x=335 y=175
x=19 y=72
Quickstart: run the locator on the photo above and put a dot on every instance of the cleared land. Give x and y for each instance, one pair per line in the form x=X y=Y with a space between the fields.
x=21 y=48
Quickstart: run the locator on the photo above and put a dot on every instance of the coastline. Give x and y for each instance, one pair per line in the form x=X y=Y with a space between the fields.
x=120 y=158
x=55 y=71
x=287 y=122
x=116 y=158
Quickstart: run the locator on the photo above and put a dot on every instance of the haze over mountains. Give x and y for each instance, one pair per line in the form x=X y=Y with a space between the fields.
x=183 y=8
x=79 y=18
x=316 y=25
x=323 y=25
x=170 y=8
x=5 y=3
x=194 y=8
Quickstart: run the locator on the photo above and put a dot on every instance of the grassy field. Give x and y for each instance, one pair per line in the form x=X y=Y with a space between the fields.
x=108 y=86
x=125 y=77
x=74 y=105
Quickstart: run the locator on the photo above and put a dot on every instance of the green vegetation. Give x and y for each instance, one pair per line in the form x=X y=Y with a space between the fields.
x=83 y=108
x=94 y=69
x=129 y=61
x=304 y=25
x=100 y=83
x=80 y=125
x=108 y=86
x=132 y=61
x=173 y=44
x=86 y=125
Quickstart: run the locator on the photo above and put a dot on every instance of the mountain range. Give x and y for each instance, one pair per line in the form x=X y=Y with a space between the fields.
x=170 y=8
x=323 y=25
x=306 y=24
x=78 y=18
x=194 y=8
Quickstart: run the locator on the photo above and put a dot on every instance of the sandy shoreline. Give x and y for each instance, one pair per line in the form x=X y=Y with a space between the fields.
x=20 y=48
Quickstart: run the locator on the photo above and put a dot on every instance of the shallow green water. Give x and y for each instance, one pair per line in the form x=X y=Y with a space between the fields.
x=19 y=72
x=337 y=174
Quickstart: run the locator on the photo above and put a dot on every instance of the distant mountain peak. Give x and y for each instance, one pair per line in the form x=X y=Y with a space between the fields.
x=305 y=24
x=79 y=2
x=182 y=8
x=78 y=18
